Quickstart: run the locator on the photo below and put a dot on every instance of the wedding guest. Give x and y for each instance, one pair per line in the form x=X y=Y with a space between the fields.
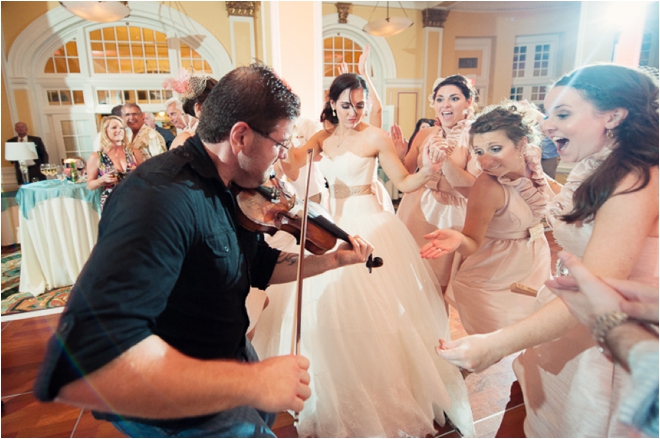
x=140 y=136
x=193 y=89
x=168 y=136
x=34 y=166
x=107 y=167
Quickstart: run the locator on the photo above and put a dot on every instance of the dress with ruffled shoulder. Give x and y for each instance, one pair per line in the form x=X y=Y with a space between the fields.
x=437 y=205
x=514 y=249
x=570 y=388
x=370 y=337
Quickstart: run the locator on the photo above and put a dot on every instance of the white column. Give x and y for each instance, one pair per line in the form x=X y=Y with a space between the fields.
x=297 y=51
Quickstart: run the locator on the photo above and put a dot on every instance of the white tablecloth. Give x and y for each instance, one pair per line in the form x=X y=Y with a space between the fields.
x=58 y=229
x=9 y=219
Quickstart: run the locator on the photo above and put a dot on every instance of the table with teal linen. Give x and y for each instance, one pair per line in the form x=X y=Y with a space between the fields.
x=58 y=230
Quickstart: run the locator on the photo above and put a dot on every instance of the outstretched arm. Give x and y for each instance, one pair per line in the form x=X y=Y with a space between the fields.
x=621 y=226
x=486 y=198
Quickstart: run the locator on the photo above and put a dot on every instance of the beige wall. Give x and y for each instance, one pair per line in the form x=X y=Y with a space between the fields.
x=503 y=28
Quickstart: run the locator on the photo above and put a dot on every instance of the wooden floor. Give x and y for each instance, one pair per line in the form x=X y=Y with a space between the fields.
x=495 y=396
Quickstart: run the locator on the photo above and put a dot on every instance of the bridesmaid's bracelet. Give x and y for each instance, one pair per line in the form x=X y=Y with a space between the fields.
x=603 y=325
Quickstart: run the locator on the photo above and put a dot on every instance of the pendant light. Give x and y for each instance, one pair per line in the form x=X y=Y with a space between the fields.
x=386 y=27
x=101 y=11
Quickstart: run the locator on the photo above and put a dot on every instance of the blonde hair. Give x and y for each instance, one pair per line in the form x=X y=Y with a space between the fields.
x=106 y=143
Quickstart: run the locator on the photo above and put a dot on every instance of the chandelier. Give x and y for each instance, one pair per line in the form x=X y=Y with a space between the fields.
x=101 y=11
x=388 y=26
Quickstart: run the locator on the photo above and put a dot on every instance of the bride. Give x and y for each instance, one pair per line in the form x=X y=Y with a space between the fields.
x=369 y=337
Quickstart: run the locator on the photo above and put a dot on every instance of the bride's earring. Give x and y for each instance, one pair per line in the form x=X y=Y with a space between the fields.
x=465 y=112
x=334 y=113
x=609 y=133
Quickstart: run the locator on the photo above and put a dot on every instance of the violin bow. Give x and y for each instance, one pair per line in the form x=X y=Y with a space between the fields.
x=297 y=316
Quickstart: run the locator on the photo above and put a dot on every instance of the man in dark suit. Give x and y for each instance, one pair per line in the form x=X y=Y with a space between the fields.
x=167 y=134
x=33 y=170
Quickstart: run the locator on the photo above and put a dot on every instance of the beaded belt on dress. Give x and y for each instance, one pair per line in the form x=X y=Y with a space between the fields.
x=341 y=190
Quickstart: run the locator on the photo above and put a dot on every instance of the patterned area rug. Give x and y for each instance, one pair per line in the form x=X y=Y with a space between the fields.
x=15 y=302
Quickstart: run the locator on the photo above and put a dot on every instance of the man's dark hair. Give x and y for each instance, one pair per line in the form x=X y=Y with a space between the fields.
x=116 y=110
x=252 y=94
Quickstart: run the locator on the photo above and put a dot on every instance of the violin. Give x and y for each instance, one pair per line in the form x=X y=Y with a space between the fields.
x=269 y=208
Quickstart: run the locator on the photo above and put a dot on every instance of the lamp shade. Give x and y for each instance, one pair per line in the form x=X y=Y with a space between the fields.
x=386 y=27
x=101 y=12
x=20 y=151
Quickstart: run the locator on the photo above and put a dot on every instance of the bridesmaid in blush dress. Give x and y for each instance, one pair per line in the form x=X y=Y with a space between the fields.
x=442 y=202
x=502 y=242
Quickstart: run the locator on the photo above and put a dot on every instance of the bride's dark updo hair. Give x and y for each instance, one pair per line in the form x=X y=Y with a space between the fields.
x=351 y=81
x=607 y=87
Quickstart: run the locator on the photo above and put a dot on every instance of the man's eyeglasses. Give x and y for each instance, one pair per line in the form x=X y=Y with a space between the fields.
x=286 y=145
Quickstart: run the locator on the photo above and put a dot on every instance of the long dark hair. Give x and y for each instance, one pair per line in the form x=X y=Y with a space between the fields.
x=418 y=126
x=351 y=81
x=608 y=87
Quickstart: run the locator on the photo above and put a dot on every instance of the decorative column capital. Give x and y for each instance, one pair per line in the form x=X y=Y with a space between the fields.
x=434 y=17
x=241 y=9
x=342 y=11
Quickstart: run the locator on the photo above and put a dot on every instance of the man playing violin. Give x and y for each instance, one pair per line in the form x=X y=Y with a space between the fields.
x=153 y=335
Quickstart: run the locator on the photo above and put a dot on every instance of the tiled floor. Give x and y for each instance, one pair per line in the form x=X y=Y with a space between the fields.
x=494 y=394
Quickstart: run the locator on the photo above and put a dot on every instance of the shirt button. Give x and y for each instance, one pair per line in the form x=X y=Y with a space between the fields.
x=225 y=248
x=186 y=154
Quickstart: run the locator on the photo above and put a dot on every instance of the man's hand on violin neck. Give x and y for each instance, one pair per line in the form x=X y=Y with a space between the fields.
x=357 y=251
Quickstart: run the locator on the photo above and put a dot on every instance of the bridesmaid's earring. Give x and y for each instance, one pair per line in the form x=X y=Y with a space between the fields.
x=609 y=133
x=334 y=113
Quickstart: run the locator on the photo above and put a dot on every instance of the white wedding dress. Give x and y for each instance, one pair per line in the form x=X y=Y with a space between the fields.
x=370 y=337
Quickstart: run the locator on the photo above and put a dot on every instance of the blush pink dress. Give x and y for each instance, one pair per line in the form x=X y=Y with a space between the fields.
x=514 y=250
x=437 y=205
x=570 y=388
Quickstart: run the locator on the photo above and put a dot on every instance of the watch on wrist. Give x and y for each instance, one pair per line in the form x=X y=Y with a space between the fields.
x=603 y=325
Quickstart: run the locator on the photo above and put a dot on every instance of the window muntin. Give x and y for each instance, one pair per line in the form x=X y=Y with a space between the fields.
x=516 y=93
x=337 y=50
x=120 y=97
x=65 y=97
x=129 y=49
x=541 y=59
x=64 y=60
x=645 y=52
x=191 y=59
x=519 y=59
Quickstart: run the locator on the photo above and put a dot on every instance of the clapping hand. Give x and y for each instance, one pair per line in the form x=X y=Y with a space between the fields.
x=443 y=241
x=400 y=143
x=433 y=158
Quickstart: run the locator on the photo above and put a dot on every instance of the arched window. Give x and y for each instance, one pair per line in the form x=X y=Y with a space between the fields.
x=129 y=49
x=64 y=60
x=191 y=59
x=337 y=50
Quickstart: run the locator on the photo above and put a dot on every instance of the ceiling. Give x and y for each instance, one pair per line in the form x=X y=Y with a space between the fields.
x=468 y=6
